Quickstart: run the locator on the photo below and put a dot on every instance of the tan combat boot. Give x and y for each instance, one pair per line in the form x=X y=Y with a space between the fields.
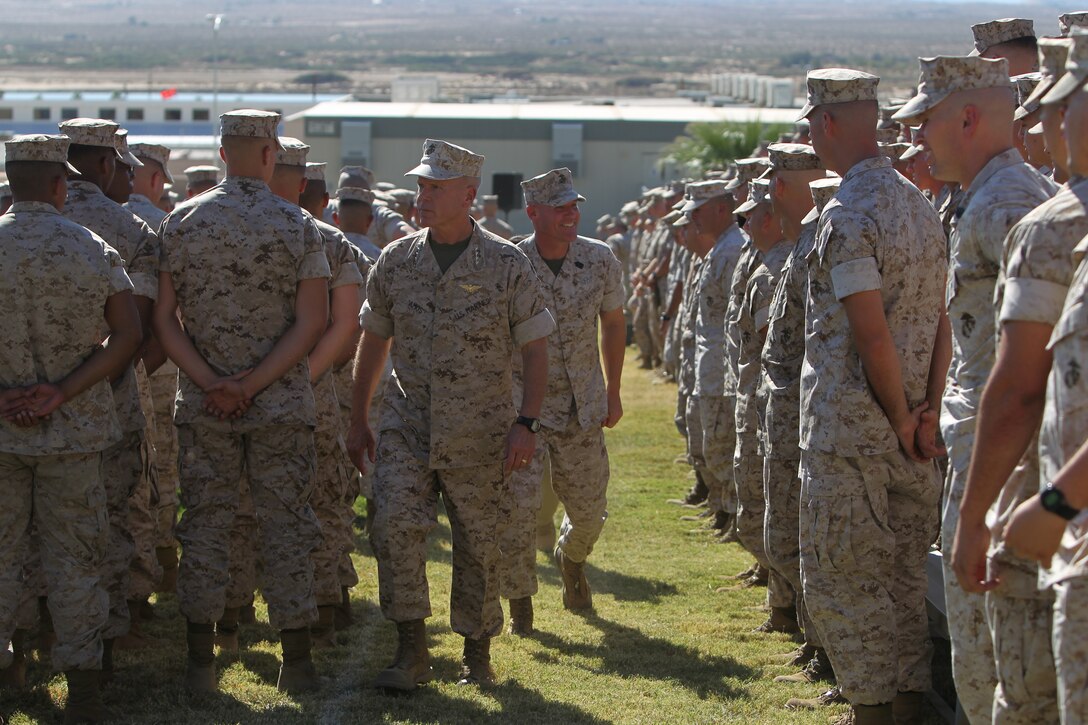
x=798 y=657
x=168 y=560
x=200 y=675
x=868 y=715
x=782 y=620
x=476 y=663
x=226 y=631
x=909 y=708
x=84 y=698
x=817 y=669
x=576 y=592
x=134 y=638
x=323 y=634
x=297 y=671
x=412 y=663
x=521 y=616
x=824 y=699
x=14 y=675
x=343 y=616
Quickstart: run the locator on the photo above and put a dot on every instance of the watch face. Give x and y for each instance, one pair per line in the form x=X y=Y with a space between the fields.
x=1051 y=497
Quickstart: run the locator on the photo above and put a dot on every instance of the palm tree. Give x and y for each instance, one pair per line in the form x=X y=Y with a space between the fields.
x=708 y=146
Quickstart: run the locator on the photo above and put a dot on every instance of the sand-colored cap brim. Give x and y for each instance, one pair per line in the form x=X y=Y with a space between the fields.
x=910 y=153
x=735 y=183
x=1037 y=129
x=683 y=221
x=167 y=175
x=129 y=159
x=71 y=169
x=1063 y=88
x=432 y=172
x=975 y=52
x=914 y=108
x=813 y=215
x=805 y=112
x=1034 y=100
x=746 y=207
x=692 y=204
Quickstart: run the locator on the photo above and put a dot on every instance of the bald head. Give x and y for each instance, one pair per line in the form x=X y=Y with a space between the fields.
x=844 y=133
x=967 y=129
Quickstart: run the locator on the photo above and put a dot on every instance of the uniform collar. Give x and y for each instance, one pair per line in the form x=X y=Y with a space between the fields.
x=869 y=164
x=1005 y=159
x=39 y=207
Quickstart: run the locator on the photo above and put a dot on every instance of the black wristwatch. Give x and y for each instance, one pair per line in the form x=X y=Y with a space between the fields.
x=1053 y=500
x=533 y=424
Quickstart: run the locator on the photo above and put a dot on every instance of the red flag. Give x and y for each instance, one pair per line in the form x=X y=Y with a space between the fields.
x=169 y=93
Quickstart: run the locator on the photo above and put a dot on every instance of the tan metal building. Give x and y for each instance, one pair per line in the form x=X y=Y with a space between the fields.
x=614 y=150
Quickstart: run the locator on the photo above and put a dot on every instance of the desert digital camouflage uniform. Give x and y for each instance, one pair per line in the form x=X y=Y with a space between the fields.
x=680 y=273
x=868 y=514
x=384 y=226
x=160 y=426
x=124 y=464
x=1035 y=278
x=716 y=404
x=332 y=482
x=1064 y=430
x=1002 y=192
x=621 y=244
x=497 y=226
x=370 y=250
x=780 y=392
x=236 y=255
x=747 y=263
x=50 y=472
x=688 y=421
x=570 y=438
x=748 y=460
x=446 y=414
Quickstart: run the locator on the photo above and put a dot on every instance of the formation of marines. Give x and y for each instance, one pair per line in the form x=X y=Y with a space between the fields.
x=897 y=302
x=875 y=327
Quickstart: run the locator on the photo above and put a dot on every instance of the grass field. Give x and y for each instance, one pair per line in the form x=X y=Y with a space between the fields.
x=663 y=646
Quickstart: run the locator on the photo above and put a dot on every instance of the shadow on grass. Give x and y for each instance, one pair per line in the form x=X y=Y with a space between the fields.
x=627 y=652
x=513 y=700
x=627 y=588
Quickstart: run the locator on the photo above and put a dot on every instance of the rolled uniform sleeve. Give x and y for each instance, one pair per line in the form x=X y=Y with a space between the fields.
x=143 y=268
x=1039 y=271
x=376 y=315
x=347 y=270
x=118 y=277
x=851 y=251
x=529 y=318
x=314 y=264
x=614 y=296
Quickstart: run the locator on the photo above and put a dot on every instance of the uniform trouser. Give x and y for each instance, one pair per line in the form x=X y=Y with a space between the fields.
x=642 y=324
x=579 y=472
x=64 y=495
x=1071 y=649
x=696 y=436
x=406 y=492
x=748 y=477
x=145 y=572
x=680 y=417
x=243 y=549
x=866 y=526
x=1027 y=684
x=653 y=319
x=719 y=445
x=973 y=667
x=278 y=462
x=781 y=530
x=123 y=464
x=328 y=502
x=549 y=502
x=164 y=387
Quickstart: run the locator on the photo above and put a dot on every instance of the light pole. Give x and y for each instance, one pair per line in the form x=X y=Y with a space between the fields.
x=216 y=20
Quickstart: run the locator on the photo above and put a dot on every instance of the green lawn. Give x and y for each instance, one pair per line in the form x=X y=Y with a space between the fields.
x=661 y=647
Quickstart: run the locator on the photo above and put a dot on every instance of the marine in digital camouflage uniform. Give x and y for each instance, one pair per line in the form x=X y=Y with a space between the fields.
x=455 y=303
x=64 y=290
x=249 y=275
x=124 y=464
x=999 y=189
x=868 y=511
x=580 y=280
x=796 y=204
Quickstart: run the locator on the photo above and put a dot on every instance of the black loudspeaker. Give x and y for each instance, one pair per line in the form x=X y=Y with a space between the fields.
x=508 y=188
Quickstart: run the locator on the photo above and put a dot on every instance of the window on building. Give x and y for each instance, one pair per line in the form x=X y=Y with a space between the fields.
x=42 y=114
x=321 y=127
x=67 y=114
x=6 y=114
x=110 y=114
x=202 y=114
x=134 y=114
x=172 y=114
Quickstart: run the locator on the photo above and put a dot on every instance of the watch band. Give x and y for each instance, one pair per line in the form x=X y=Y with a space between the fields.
x=1053 y=500
x=533 y=424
